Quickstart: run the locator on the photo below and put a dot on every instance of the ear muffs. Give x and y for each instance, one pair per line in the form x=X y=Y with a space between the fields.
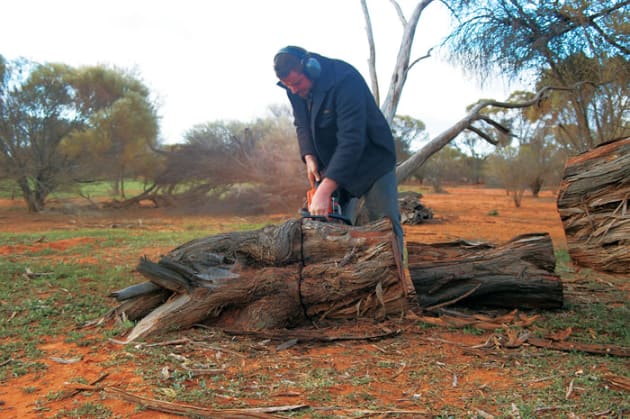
x=310 y=65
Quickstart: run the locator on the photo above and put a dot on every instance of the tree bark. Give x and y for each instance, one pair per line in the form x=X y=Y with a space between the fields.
x=278 y=276
x=308 y=271
x=517 y=274
x=593 y=202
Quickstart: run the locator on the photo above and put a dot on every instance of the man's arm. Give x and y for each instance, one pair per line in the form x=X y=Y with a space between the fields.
x=321 y=200
x=312 y=169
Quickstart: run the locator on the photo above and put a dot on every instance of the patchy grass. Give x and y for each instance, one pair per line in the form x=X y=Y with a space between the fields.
x=54 y=280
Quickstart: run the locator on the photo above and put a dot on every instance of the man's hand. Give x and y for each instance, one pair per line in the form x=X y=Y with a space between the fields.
x=321 y=200
x=312 y=170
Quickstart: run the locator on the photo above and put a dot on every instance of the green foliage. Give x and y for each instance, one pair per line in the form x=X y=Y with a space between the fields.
x=534 y=161
x=447 y=165
x=577 y=47
x=509 y=166
x=38 y=110
x=122 y=129
x=594 y=108
x=407 y=131
x=519 y=36
x=59 y=124
x=86 y=410
x=233 y=166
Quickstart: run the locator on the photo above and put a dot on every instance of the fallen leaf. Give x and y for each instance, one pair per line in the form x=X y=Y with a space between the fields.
x=514 y=339
x=561 y=335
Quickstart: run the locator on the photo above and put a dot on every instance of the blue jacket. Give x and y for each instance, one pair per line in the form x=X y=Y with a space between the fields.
x=345 y=129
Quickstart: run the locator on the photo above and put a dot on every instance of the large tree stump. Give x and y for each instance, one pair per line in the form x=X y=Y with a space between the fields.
x=278 y=276
x=308 y=271
x=594 y=203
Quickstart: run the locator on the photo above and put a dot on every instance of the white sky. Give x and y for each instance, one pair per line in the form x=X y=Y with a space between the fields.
x=208 y=60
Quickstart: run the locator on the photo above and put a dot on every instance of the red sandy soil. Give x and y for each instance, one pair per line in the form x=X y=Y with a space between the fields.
x=461 y=213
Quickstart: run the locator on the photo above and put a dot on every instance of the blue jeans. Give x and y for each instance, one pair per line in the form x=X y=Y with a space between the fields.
x=381 y=200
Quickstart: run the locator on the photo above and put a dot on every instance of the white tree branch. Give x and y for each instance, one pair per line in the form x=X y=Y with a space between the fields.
x=372 y=59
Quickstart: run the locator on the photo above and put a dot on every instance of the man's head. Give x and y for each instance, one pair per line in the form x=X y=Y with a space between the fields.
x=296 y=69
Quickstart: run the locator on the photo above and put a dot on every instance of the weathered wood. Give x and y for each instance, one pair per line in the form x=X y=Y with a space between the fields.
x=593 y=202
x=303 y=270
x=519 y=273
x=278 y=276
x=411 y=210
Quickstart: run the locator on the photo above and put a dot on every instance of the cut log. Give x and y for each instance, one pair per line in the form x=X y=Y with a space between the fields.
x=594 y=206
x=517 y=274
x=411 y=210
x=278 y=276
x=308 y=271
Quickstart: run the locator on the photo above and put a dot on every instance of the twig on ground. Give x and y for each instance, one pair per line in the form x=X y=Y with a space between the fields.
x=181 y=341
x=182 y=409
x=569 y=390
x=317 y=336
x=590 y=348
x=382 y=413
x=77 y=388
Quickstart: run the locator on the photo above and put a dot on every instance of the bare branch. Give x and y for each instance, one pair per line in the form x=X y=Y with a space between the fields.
x=609 y=39
x=483 y=135
x=413 y=163
x=372 y=59
x=399 y=76
x=424 y=57
x=399 y=11
x=495 y=124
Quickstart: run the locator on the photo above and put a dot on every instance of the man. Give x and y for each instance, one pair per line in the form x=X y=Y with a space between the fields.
x=344 y=138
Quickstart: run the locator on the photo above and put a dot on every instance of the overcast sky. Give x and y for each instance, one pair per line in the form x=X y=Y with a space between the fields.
x=208 y=60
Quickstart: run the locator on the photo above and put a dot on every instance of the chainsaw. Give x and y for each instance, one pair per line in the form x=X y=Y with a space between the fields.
x=335 y=213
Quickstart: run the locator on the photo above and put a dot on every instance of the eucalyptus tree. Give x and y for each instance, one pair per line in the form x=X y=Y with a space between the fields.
x=517 y=38
x=122 y=128
x=58 y=124
x=38 y=110
x=579 y=47
x=407 y=130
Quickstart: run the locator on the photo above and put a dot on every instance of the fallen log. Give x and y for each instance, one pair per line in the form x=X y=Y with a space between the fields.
x=517 y=274
x=411 y=210
x=593 y=203
x=278 y=276
x=305 y=271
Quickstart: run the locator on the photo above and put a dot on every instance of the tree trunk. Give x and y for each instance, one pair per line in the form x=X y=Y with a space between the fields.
x=517 y=274
x=593 y=202
x=28 y=195
x=309 y=271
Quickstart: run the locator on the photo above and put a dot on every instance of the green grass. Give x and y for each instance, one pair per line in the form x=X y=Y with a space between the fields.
x=9 y=189
x=86 y=410
x=60 y=293
x=41 y=296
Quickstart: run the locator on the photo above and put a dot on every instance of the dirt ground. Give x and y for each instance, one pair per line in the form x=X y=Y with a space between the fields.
x=468 y=213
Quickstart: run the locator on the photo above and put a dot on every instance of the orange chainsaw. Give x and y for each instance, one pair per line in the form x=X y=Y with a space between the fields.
x=334 y=208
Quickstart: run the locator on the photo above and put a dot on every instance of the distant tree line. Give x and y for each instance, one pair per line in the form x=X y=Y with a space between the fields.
x=62 y=127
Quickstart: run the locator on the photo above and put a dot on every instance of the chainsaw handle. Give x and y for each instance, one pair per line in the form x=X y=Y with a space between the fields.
x=305 y=214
